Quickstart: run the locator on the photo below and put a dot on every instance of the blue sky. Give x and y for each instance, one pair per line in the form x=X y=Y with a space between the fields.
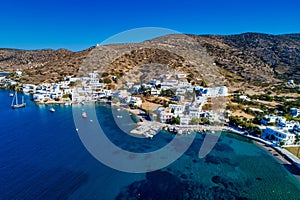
x=77 y=25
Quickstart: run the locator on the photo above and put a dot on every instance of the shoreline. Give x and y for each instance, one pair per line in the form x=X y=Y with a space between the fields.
x=280 y=158
x=289 y=161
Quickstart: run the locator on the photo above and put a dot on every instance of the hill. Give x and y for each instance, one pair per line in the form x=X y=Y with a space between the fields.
x=248 y=57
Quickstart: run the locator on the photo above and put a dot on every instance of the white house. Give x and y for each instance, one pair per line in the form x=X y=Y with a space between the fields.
x=178 y=109
x=184 y=120
x=129 y=85
x=179 y=76
x=155 y=91
x=295 y=112
x=223 y=91
x=135 y=89
x=180 y=91
x=19 y=73
x=184 y=84
x=154 y=82
x=244 y=98
x=137 y=101
x=164 y=114
x=267 y=119
x=194 y=114
x=278 y=135
x=172 y=83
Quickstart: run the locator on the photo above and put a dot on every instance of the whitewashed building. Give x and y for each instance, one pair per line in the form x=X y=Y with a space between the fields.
x=278 y=135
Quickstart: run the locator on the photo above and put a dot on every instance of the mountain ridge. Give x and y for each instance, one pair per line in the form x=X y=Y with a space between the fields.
x=248 y=57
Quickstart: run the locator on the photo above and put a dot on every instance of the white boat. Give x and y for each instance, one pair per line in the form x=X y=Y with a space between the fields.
x=84 y=115
x=148 y=135
x=11 y=94
x=15 y=104
x=52 y=110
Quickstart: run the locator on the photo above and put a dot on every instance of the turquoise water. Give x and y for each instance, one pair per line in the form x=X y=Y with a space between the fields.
x=42 y=157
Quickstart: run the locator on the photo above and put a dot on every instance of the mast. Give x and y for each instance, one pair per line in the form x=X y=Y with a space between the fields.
x=16 y=98
x=12 y=102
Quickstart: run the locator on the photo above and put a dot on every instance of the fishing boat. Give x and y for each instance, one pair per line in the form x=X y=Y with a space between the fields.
x=15 y=104
x=52 y=110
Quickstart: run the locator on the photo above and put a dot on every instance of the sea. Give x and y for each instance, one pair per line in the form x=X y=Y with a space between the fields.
x=42 y=157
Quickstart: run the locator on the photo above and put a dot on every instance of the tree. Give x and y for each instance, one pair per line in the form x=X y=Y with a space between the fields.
x=107 y=81
x=205 y=120
x=175 y=120
x=105 y=74
x=195 y=121
x=165 y=104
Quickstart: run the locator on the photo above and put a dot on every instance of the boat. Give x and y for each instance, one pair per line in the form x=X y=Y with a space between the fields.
x=84 y=115
x=15 y=104
x=11 y=94
x=52 y=110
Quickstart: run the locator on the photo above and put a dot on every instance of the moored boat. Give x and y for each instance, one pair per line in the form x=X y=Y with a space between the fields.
x=84 y=115
x=15 y=104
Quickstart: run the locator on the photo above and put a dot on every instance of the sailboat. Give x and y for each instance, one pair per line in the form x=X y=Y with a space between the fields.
x=15 y=100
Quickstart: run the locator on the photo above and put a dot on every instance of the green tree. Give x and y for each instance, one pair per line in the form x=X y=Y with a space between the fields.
x=204 y=120
x=195 y=121
x=107 y=81
x=175 y=120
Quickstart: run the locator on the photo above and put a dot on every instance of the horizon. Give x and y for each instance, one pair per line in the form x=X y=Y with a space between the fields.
x=80 y=25
x=78 y=50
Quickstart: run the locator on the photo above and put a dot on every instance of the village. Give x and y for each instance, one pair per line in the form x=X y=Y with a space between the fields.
x=173 y=101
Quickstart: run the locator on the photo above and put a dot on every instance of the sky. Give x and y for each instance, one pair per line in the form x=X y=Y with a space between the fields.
x=77 y=25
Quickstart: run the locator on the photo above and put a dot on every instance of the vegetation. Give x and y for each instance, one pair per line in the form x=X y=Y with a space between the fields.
x=206 y=107
x=67 y=96
x=167 y=93
x=107 y=81
x=204 y=120
x=245 y=124
x=195 y=121
x=175 y=120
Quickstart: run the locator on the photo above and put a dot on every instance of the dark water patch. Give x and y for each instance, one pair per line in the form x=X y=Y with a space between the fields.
x=223 y=147
x=212 y=159
x=163 y=185
x=183 y=176
x=216 y=160
x=187 y=167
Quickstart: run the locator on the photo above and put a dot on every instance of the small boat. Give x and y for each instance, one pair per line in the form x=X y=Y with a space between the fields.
x=11 y=94
x=15 y=104
x=52 y=110
x=84 y=115
x=148 y=135
x=119 y=116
